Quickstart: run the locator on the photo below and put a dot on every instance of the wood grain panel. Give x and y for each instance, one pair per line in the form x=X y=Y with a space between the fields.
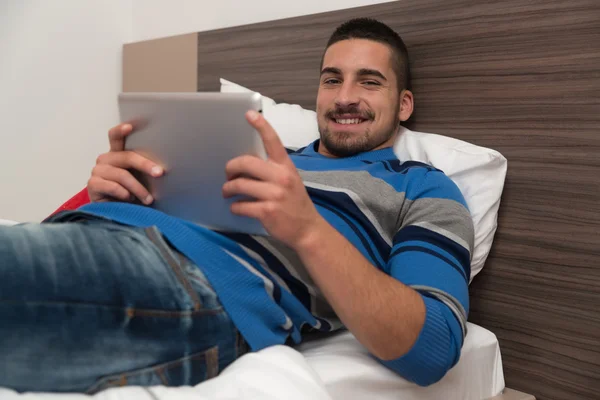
x=519 y=76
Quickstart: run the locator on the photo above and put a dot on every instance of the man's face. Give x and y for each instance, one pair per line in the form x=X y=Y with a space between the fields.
x=358 y=104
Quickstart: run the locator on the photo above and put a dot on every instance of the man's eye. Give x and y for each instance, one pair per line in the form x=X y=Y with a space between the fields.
x=371 y=83
x=331 y=81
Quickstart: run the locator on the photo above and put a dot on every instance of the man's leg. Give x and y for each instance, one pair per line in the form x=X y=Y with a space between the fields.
x=85 y=306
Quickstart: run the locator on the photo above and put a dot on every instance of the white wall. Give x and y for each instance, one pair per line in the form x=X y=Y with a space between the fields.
x=60 y=72
x=158 y=18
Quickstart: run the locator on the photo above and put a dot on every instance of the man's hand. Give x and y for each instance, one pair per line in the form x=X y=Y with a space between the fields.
x=282 y=203
x=111 y=180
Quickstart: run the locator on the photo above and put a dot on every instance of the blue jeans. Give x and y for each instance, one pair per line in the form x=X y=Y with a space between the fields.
x=89 y=305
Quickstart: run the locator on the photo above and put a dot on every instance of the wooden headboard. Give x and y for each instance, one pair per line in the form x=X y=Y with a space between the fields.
x=522 y=77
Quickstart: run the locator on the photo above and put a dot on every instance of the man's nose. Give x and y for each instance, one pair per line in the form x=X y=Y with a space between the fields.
x=347 y=95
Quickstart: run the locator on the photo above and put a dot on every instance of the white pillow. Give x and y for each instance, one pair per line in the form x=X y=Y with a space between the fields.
x=295 y=125
x=7 y=222
x=478 y=172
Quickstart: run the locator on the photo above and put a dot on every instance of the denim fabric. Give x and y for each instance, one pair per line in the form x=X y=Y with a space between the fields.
x=90 y=305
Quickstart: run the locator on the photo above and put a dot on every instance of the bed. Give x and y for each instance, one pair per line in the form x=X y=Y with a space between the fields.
x=521 y=77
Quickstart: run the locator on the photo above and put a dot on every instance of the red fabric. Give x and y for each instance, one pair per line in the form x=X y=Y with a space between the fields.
x=75 y=202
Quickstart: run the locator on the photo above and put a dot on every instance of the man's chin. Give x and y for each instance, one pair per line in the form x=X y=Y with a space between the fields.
x=345 y=147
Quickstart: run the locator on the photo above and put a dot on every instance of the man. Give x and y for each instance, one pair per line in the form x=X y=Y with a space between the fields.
x=124 y=294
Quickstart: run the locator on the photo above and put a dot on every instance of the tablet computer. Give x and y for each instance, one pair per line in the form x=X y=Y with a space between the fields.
x=192 y=136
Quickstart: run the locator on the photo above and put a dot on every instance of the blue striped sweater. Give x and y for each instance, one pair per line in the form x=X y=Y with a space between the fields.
x=408 y=219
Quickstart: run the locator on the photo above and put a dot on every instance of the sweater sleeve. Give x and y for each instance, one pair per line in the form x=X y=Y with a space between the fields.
x=431 y=253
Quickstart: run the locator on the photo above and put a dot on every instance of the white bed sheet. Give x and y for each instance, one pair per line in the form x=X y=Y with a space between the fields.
x=337 y=367
x=276 y=373
x=350 y=373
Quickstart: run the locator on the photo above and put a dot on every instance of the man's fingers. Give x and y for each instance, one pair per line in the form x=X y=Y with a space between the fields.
x=124 y=179
x=252 y=167
x=131 y=160
x=100 y=188
x=252 y=209
x=116 y=136
x=113 y=166
x=256 y=189
x=273 y=146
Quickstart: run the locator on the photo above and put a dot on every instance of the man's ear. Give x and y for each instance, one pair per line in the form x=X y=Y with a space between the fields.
x=406 y=105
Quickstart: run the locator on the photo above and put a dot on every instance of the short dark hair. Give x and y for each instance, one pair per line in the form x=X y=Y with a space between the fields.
x=371 y=29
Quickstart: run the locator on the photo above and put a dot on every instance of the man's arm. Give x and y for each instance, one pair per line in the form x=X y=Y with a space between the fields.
x=413 y=316
x=384 y=315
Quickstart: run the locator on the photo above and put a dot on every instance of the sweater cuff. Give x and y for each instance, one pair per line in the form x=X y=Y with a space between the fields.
x=429 y=359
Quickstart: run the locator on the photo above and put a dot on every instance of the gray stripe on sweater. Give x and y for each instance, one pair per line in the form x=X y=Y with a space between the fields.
x=446 y=217
x=450 y=301
x=269 y=286
x=377 y=199
x=290 y=260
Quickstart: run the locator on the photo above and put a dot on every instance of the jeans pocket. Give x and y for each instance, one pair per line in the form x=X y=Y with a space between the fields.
x=185 y=371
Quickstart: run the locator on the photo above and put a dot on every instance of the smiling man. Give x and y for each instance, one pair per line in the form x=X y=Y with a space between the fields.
x=118 y=293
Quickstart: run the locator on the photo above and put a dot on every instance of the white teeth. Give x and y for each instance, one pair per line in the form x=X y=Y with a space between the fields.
x=348 y=121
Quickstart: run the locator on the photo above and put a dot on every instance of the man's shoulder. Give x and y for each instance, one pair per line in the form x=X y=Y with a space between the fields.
x=414 y=166
x=409 y=176
x=426 y=181
x=295 y=150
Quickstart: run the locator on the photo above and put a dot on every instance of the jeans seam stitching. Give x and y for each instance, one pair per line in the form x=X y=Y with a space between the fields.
x=172 y=262
x=212 y=362
x=161 y=375
x=129 y=310
x=119 y=380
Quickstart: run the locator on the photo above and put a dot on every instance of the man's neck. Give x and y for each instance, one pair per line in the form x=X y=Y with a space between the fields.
x=388 y=143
